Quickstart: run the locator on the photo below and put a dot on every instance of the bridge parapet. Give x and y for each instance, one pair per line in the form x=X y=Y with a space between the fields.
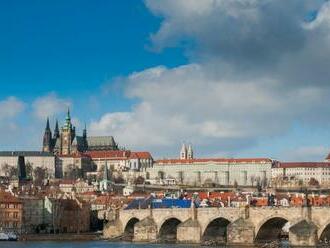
x=257 y=218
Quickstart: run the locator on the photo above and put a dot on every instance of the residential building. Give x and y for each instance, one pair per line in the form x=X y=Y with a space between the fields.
x=33 y=213
x=11 y=213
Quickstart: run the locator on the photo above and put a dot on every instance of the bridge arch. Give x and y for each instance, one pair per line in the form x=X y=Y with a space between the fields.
x=324 y=232
x=271 y=228
x=216 y=230
x=168 y=229
x=129 y=228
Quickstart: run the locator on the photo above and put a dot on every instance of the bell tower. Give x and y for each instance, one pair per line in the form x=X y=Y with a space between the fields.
x=67 y=135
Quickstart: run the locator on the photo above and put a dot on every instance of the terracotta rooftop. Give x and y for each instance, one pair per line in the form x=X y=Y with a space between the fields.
x=303 y=164
x=6 y=197
x=108 y=154
x=141 y=155
x=214 y=160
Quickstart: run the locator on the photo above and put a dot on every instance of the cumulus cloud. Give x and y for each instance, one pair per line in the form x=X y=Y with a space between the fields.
x=49 y=105
x=256 y=69
x=10 y=107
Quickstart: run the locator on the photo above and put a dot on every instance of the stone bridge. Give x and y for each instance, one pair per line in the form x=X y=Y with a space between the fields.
x=306 y=225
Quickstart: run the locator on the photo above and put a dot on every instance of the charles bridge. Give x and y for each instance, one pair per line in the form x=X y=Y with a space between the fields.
x=247 y=225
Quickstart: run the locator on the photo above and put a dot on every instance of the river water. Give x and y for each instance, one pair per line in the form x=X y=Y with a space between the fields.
x=93 y=244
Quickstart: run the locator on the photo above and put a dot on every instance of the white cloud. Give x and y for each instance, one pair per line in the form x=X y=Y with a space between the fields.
x=11 y=107
x=190 y=103
x=306 y=153
x=49 y=105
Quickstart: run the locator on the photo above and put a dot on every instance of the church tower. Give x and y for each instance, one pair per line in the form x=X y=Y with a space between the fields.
x=47 y=140
x=190 y=153
x=183 y=153
x=67 y=135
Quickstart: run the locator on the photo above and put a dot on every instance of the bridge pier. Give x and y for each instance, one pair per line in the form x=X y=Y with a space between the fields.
x=240 y=232
x=189 y=232
x=145 y=230
x=113 y=229
x=303 y=234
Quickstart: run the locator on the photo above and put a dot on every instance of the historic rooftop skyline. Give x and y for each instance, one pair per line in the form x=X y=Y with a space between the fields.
x=233 y=79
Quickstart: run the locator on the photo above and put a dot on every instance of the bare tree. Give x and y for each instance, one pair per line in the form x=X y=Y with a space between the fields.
x=13 y=172
x=29 y=169
x=5 y=169
x=73 y=172
x=39 y=174
x=252 y=179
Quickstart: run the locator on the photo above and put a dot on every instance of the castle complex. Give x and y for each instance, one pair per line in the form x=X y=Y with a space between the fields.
x=65 y=141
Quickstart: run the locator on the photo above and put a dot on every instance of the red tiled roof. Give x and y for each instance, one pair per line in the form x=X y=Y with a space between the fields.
x=141 y=155
x=303 y=164
x=6 y=197
x=108 y=154
x=214 y=160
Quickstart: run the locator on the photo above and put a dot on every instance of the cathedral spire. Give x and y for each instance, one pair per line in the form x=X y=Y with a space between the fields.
x=68 y=117
x=47 y=139
x=56 y=131
x=47 y=124
x=85 y=132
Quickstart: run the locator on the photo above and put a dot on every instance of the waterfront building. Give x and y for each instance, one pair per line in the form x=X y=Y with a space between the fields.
x=33 y=213
x=67 y=215
x=294 y=174
x=11 y=213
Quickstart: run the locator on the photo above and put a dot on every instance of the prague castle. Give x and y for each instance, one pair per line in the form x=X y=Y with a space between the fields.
x=65 y=141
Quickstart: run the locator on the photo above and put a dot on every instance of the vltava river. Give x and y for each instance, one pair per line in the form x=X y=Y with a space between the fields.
x=92 y=244
x=86 y=244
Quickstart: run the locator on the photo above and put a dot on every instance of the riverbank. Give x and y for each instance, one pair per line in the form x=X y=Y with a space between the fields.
x=61 y=237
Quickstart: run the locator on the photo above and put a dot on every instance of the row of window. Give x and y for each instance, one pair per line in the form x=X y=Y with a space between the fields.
x=9 y=224
x=9 y=215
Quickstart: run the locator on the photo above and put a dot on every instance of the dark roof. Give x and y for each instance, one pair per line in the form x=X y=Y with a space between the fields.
x=26 y=153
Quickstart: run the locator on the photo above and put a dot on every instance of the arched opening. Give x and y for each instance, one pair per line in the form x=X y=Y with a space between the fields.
x=325 y=235
x=129 y=229
x=168 y=230
x=216 y=231
x=272 y=230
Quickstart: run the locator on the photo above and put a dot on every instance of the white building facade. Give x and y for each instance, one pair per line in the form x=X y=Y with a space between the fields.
x=44 y=160
x=301 y=173
x=218 y=171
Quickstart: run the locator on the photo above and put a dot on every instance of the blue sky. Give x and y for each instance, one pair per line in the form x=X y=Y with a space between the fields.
x=233 y=80
x=74 y=47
